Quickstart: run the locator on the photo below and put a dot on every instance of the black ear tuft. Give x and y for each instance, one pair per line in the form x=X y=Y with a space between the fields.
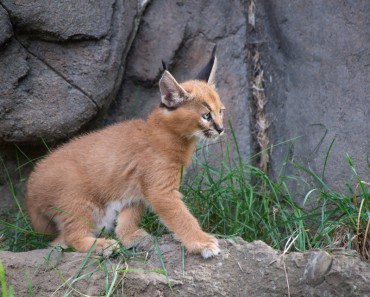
x=164 y=66
x=205 y=73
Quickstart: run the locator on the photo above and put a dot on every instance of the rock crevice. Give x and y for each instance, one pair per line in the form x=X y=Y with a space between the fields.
x=55 y=71
x=86 y=55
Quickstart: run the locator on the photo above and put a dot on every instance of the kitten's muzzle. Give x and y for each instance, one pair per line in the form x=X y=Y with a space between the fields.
x=219 y=129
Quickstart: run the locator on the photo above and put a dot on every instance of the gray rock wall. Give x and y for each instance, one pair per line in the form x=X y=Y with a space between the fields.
x=316 y=56
x=63 y=64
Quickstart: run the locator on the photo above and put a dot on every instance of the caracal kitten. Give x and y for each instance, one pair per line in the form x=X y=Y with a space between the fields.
x=86 y=185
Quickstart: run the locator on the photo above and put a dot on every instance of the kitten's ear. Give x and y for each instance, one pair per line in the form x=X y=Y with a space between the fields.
x=208 y=73
x=171 y=92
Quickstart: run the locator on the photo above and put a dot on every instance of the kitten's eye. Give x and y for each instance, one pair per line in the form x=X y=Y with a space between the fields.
x=221 y=113
x=206 y=116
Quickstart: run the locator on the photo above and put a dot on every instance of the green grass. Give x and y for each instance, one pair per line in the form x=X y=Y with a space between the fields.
x=16 y=232
x=112 y=270
x=234 y=198
x=242 y=200
x=7 y=290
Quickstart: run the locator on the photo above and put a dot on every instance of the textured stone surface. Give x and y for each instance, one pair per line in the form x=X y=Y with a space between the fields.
x=63 y=66
x=316 y=59
x=62 y=20
x=243 y=269
x=36 y=101
x=318 y=266
x=183 y=34
x=6 y=30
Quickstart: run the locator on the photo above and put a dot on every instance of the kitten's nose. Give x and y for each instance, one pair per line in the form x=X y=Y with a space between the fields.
x=219 y=129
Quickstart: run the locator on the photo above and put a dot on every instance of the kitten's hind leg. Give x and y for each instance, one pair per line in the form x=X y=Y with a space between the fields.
x=41 y=223
x=128 y=230
x=102 y=246
x=79 y=235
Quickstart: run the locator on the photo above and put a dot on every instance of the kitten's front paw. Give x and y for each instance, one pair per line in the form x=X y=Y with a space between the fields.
x=133 y=238
x=210 y=252
x=105 y=247
x=59 y=241
x=207 y=246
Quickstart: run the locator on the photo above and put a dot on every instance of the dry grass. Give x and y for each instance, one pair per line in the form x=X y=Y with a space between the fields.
x=259 y=97
x=260 y=101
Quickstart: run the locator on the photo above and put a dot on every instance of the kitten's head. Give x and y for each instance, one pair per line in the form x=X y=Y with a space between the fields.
x=193 y=108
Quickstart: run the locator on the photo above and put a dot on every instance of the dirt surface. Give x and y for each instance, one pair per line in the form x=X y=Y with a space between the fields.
x=242 y=269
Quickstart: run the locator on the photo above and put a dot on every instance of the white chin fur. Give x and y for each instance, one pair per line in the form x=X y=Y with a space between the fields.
x=199 y=135
x=213 y=136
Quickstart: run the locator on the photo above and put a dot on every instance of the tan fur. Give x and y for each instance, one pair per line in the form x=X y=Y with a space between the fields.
x=127 y=165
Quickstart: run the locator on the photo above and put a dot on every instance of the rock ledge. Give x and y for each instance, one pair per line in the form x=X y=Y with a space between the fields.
x=242 y=269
